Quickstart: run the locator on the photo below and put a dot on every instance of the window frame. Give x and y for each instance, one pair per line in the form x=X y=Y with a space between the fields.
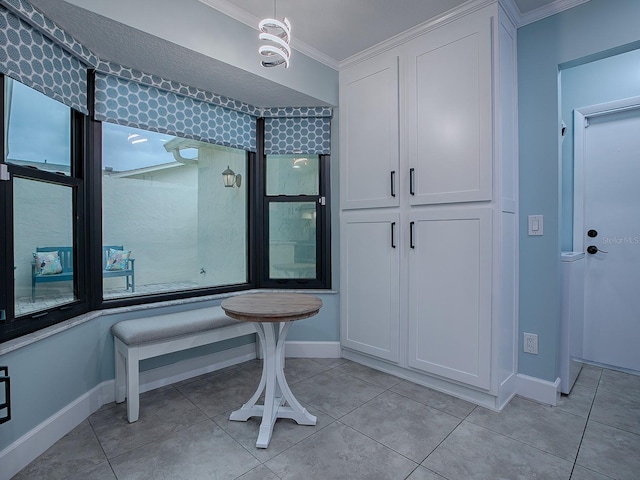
x=323 y=225
x=12 y=326
x=85 y=179
x=97 y=236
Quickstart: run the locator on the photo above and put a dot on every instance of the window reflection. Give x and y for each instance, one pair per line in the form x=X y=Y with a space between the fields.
x=38 y=129
x=293 y=175
x=43 y=245
x=164 y=201
x=292 y=240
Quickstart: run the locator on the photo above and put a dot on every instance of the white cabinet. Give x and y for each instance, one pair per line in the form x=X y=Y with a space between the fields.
x=370 y=265
x=450 y=294
x=428 y=154
x=369 y=119
x=449 y=115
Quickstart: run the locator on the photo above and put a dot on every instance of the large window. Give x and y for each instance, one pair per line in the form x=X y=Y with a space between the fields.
x=43 y=199
x=95 y=215
x=168 y=218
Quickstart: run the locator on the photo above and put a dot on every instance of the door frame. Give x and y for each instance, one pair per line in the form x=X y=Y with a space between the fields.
x=580 y=120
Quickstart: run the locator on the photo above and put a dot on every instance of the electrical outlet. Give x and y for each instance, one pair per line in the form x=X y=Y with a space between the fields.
x=531 y=343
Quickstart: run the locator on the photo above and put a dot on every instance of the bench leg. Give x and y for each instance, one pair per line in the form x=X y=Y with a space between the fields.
x=133 y=385
x=119 y=351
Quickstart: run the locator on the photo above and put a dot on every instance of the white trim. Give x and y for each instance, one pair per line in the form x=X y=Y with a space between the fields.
x=578 y=181
x=36 y=441
x=404 y=37
x=580 y=116
x=480 y=397
x=511 y=9
x=534 y=388
x=249 y=19
x=312 y=350
x=552 y=8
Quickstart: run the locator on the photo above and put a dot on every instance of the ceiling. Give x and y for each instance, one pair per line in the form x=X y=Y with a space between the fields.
x=329 y=31
x=338 y=29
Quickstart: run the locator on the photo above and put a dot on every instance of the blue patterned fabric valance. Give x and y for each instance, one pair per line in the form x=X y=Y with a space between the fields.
x=141 y=106
x=289 y=112
x=285 y=136
x=142 y=78
x=32 y=58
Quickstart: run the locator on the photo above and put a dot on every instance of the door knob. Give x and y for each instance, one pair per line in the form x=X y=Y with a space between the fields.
x=592 y=249
x=592 y=233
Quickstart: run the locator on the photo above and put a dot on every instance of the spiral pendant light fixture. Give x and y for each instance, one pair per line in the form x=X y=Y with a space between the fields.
x=277 y=36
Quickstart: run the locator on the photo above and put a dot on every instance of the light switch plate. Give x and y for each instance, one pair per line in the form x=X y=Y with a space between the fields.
x=535 y=225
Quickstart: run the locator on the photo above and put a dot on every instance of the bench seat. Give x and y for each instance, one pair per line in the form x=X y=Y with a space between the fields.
x=142 y=338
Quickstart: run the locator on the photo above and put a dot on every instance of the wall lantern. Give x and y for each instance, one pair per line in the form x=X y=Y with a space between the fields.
x=230 y=178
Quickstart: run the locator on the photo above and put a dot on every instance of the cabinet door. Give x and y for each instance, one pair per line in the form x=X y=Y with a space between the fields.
x=449 y=113
x=369 y=138
x=369 y=266
x=450 y=294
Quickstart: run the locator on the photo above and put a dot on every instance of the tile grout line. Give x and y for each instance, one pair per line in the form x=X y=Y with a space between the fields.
x=575 y=461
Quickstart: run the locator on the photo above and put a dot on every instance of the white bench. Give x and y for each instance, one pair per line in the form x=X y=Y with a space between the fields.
x=141 y=338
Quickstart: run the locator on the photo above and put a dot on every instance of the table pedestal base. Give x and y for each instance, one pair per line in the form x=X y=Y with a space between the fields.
x=277 y=391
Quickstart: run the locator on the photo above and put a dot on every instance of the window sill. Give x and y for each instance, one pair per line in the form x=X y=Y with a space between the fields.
x=34 y=337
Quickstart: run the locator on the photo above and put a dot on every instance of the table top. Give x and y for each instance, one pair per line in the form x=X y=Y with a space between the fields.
x=271 y=307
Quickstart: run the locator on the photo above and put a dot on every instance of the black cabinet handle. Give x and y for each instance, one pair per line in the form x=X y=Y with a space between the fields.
x=393 y=183
x=393 y=229
x=411 y=244
x=412 y=172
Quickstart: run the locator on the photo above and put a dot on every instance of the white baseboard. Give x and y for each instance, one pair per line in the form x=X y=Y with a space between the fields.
x=312 y=350
x=542 y=391
x=35 y=442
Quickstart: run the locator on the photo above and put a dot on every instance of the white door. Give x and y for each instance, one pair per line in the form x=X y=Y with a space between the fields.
x=449 y=112
x=450 y=294
x=369 y=149
x=611 y=164
x=369 y=279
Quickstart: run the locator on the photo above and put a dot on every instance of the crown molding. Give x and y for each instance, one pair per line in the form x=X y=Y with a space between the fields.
x=510 y=8
x=249 y=19
x=545 y=11
x=447 y=17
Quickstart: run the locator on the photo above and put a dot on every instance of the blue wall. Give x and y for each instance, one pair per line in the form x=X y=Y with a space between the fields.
x=600 y=81
x=590 y=31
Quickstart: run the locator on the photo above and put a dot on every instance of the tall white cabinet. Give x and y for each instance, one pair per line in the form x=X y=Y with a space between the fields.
x=428 y=187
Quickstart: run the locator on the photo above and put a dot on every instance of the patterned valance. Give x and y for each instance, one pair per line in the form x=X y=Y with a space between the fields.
x=128 y=102
x=289 y=112
x=284 y=136
x=39 y=54
x=160 y=83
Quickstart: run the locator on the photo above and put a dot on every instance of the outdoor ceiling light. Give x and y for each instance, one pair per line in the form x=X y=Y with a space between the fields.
x=134 y=138
x=277 y=36
x=300 y=162
x=230 y=178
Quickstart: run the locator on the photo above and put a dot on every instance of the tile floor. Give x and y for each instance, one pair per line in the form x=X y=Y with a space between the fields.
x=370 y=426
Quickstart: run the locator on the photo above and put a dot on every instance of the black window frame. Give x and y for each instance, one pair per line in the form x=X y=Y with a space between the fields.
x=10 y=325
x=96 y=246
x=86 y=180
x=323 y=225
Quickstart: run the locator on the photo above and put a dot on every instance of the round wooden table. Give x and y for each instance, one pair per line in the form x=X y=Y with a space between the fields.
x=272 y=314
